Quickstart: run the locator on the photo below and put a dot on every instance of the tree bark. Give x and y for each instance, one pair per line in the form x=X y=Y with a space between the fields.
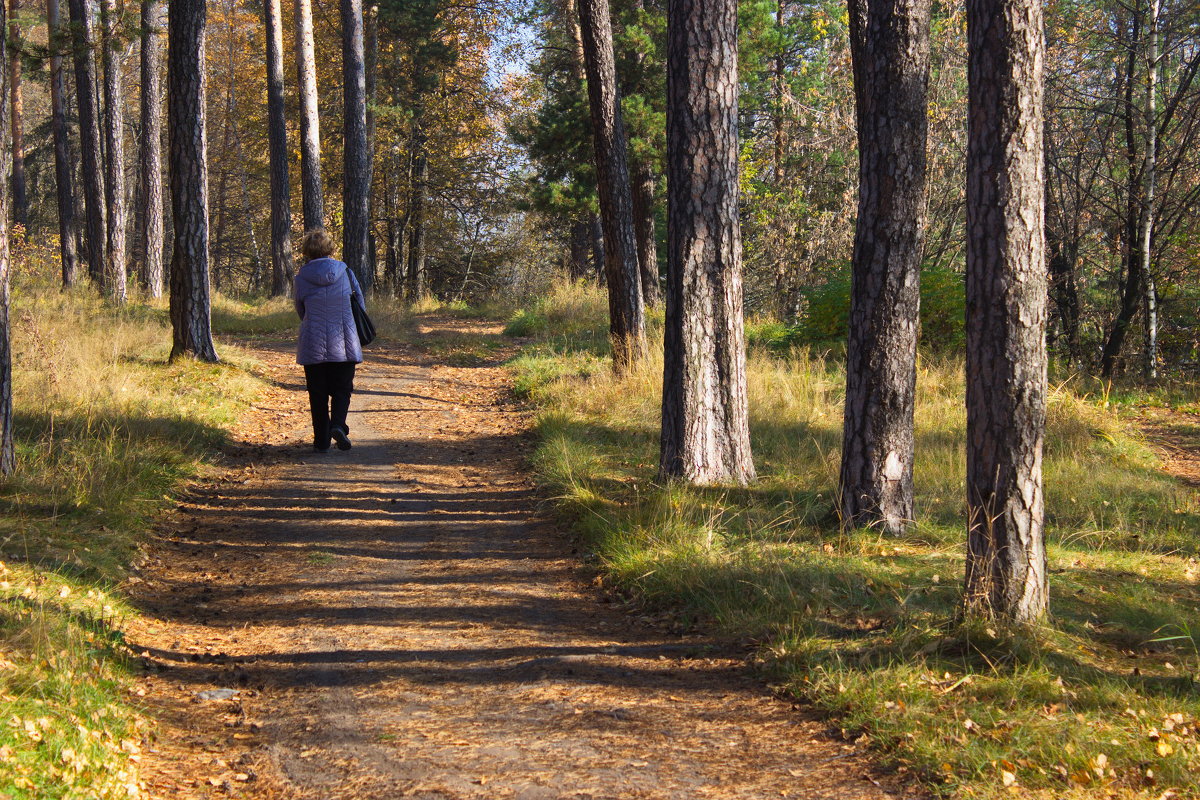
x=188 y=167
x=20 y=198
x=705 y=421
x=151 y=148
x=357 y=191
x=8 y=459
x=68 y=232
x=579 y=266
x=310 y=123
x=890 y=53
x=1006 y=311
x=114 y=175
x=415 y=269
x=627 y=326
x=643 y=228
x=84 y=39
x=281 y=196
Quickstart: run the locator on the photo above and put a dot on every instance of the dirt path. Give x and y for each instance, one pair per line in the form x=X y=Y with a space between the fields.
x=403 y=620
x=1176 y=437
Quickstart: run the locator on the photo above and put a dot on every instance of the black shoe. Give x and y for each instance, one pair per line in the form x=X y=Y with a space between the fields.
x=339 y=436
x=320 y=449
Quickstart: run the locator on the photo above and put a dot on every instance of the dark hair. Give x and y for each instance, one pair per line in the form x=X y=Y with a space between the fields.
x=316 y=243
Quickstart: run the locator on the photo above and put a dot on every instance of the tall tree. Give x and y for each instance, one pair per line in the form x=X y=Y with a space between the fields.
x=705 y=420
x=188 y=171
x=356 y=195
x=151 y=148
x=310 y=123
x=1006 y=311
x=281 y=197
x=8 y=461
x=20 y=198
x=88 y=107
x=890 y=51
x=63 y=179
x=114 y=154
x=643 y=182
x=627 y=326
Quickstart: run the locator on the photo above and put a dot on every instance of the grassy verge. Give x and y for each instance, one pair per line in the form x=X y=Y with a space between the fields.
x=1101 y=701
x=106 y=430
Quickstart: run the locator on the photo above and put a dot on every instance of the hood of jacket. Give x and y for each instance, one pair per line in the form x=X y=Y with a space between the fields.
x=322 y=271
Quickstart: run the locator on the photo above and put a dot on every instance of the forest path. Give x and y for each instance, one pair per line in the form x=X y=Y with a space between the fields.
x=401 y=620
x=1176 y=437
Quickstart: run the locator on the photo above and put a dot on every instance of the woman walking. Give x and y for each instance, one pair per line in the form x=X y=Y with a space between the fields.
x=328 y=348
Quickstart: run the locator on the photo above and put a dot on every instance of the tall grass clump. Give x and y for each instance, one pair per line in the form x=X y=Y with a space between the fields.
x=106 y=430
x=1100 y=701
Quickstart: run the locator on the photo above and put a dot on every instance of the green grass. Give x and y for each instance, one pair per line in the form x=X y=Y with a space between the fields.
x=1101 y=700
x=106 y=431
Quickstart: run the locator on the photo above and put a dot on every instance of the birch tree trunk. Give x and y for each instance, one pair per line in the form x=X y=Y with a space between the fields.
x=1006 y=311
x=281 y=197
x=20 y=198
x=1149 y=180
x=890 y=53
x=310 y=123
x=8 y=459
x=68 y=232
x=150 y=166
x=627 y=327
x=705 y=421
x=114 y=174
x=188 y=168
x=88 y=108
x=357 y=191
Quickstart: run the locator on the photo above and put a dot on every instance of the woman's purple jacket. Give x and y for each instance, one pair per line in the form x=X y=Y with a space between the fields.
x=327 y=331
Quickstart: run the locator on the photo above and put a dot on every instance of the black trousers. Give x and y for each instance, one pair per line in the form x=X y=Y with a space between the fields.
x=329 y=388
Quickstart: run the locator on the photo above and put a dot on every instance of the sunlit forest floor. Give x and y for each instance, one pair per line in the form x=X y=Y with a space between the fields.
x=1101 y=701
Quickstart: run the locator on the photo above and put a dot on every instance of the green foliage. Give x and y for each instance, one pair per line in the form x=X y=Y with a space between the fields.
x=827 y=312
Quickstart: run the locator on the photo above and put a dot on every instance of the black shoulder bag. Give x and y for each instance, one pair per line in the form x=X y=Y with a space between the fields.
x=362 y=323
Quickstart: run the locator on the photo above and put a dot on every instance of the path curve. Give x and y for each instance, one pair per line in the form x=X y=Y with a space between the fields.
x=405 y=620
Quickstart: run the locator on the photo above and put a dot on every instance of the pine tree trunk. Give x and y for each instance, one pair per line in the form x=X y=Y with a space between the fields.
x=1006 y=311
x=643 y=228
x=415 y=270
x=705 y=421
x=8 y=461
x=151 y=148
x=281 y=196
x=84 y=38
x=68 y=232
x=627 y=326
x=371 y=45
x=579 y=267
x=357 y=191
x=310 y=123
x=890 y=51
x=114 y=175
x=188 y=171
x=20 y=196
x=598 y=260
